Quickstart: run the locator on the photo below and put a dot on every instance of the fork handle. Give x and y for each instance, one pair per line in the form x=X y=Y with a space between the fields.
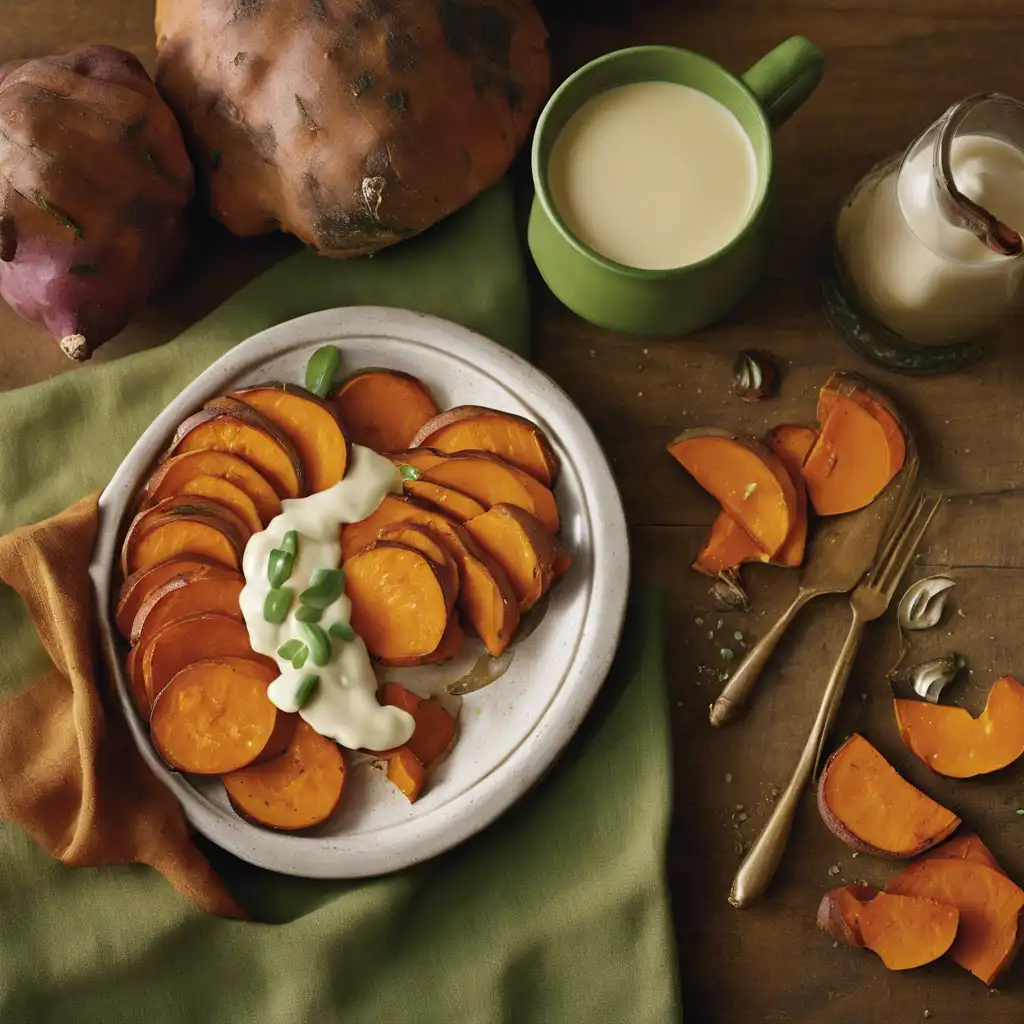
x=739 y=687
x=762 y=860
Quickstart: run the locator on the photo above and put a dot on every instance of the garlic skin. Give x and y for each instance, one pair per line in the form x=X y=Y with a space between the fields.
x=754 y=375
x=728 y=594
x=922 y=605
x=931 y=677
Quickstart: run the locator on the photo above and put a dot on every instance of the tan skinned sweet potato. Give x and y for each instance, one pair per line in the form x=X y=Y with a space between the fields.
x=476 y=428
x=399 y=604
x=94 y=185
x=905 y=931
x=137 y=587
x=311 y=425
x=860 y=447
x=746 y=477
x=990 y=907
x=461 y=507
x=227 y=425
x=383 y=409
x=865 y=803
x=521 y=545
x=184 y=525
x=382 y=119
x=297 y=790
x=214 y=716
x=172 y=477
x=952 y=743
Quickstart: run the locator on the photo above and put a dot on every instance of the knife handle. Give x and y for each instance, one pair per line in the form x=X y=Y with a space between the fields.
x=736 y=691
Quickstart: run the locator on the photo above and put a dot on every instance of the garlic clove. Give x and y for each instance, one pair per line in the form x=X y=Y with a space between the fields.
x=754 y=375
x=728 y=594
x=922 y=605
x=931 y=677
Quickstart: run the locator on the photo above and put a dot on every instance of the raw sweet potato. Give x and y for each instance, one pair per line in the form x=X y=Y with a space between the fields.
x=966 y=846
x=870 y=807
x=746 y=477
x=425 y=540
x=214 y=716
x=990 y=908
x=953 y=743
x=297 y=790
x=180 y=526
x=521 y=545
x=310 y=424
x=406 y=772
x=137 y=587
x=227 y=425
x=228 y=496
x=793 y=442
x=905 y=931
x=349 y=123
x=492 y=481
x=399 y=604
x=383 y=409
x=94 y=185
x=211 y=589
x=461 y=507
x=435 y=727
x=172 y=477
x=475 y=428
x=193 y=638
x=860 y=447
x=486 y=597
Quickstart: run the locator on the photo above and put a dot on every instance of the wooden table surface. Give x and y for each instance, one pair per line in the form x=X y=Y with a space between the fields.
x=892 y=66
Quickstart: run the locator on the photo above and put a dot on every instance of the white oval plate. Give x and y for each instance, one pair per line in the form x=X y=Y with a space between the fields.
x=510 y=731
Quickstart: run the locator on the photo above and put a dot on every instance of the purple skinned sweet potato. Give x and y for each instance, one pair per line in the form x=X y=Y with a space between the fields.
x=94 y=186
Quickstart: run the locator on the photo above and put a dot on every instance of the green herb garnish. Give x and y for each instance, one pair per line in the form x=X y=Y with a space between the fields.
x=279 y=567
x=304 y=691
x=318 y=641
x=342 y=631
x=277 y=603
x=300 y=658
x=308 y=613
x=320 y=370
x=325 y=587
x=289 y=649
x=290 y=542
x=408 y=472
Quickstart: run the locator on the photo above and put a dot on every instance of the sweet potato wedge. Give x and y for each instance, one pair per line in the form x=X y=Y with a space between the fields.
x=492 y=481
x=383 y=409
x=172 y=477
x=727 y=548
x=399 y=604
x=227 y=425
x=406 y=772
x=461 y=507
x=137 y=587
x=425 y=540
x=182 y=526
x=905 y=931
x=311 y=424
x=521 y=545
x=486 y=597
x=214 y=716
x=990 y=907
x=297 y=790
x=861 y=446
x=792 y=442
x=475 y=428
x=194 y=638
x=953 y=743
x=865 y=803
x=435 y=727
x=966 y=846
x=746 y=477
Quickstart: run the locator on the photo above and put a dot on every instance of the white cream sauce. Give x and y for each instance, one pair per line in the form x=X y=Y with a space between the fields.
x=344 y=706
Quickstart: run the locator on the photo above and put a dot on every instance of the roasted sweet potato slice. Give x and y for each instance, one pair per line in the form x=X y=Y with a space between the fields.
x=136 y=684
x=990 y=907
x=421 y=459
x=426 y=540
x=953 y=743
x=184 y=526
x=311 y=424
x=486 y=597
x=746 y=477
x=461 y=507
x=966 y=846
x=406 y=772
x=435 y=727
x=137 y=587
x=521 y=545
x=449 y=647
x=905 y=931
x=475 y=428
x=194 y=638
x=399 y=604
x=297 y=790
x=172 y=477
x=281 y=738
x=383 y=409
x=209 y=590
x=227 y=425
x=227 y=495
x=859 y=449
x=492 y=481
x=870 y=807
x=214 y=716
x=727 y=548
x=792 y=442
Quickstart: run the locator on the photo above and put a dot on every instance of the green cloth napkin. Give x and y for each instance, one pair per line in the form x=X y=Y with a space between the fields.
x=559 y=912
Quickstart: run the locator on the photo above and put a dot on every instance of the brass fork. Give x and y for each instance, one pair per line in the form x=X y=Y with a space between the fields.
x=868 y=602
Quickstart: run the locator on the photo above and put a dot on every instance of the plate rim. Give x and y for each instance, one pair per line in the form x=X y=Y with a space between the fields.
x=489 y=797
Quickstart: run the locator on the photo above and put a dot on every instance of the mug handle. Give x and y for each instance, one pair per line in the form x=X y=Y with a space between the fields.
x=786 y=76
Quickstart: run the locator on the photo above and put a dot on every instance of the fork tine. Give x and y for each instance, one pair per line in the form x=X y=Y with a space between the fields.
x=914 y=532
x=906 y=508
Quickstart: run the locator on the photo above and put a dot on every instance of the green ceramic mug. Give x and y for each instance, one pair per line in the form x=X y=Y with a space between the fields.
x=684 y=298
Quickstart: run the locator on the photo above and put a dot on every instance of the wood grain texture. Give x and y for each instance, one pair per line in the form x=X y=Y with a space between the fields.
x=892 y=66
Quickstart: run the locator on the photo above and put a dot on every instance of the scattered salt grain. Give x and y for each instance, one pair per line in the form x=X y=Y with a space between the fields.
x=592 y=353
x=728 y=776
x=834 y=870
